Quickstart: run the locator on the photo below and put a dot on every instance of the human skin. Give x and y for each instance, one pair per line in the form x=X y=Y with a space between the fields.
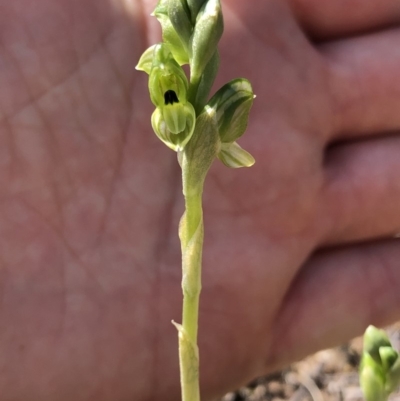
x=299 y=249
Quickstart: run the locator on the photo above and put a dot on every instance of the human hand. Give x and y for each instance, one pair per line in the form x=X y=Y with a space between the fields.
x=91 y=199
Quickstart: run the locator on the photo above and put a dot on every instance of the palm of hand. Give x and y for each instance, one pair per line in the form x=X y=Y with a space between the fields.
x=91 y=202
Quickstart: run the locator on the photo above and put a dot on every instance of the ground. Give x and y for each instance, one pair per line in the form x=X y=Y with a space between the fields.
x=329 y=375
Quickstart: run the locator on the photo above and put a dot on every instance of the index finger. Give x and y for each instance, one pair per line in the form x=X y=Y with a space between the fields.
x=327 y=19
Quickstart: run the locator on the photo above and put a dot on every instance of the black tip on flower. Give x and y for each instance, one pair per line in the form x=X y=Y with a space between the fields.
x=170 y=97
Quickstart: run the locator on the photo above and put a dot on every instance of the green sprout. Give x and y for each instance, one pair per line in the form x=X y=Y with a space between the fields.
x=200 y=130
x=380 y=366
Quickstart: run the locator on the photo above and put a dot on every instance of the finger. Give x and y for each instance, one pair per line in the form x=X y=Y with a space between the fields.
x=324 y=19
x=362 y=193
x=365 y=83
x=336 y=295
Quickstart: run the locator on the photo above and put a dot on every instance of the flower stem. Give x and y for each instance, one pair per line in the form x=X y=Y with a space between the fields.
x=191 y=232
x=191 y=265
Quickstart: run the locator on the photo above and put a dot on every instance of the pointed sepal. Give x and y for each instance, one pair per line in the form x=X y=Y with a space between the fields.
x=234 y=156
x=146 y=60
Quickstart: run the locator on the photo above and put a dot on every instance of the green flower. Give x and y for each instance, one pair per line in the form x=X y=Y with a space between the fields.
x=174 y=119
x=166 y=76
x=174 y=124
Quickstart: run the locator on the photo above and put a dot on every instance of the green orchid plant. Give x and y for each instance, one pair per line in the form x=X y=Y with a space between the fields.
x=199 y=129
x=380 y=366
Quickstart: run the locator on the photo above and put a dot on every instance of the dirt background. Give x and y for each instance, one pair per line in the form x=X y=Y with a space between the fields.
x=329 y=375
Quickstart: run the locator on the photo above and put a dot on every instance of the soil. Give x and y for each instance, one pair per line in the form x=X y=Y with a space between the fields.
x=329 y=375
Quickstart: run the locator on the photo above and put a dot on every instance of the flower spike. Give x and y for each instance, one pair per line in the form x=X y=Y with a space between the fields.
x=199 y=130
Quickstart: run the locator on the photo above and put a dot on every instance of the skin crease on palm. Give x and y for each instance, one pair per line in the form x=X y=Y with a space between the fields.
x=299 y=249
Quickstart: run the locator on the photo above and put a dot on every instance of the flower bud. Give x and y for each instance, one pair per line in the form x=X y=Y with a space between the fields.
x=206 y=35
x=179 y=15
x=194 y=7
x=178 y=49
x=232 y=104
x=380 y=366
x=174 y=123
x=374 y=339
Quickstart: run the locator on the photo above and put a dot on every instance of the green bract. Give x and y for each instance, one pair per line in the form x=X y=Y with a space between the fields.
x=206 y=35
x=232 y=104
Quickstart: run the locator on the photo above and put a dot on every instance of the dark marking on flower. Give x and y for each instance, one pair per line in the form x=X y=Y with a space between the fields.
x=170 y=97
